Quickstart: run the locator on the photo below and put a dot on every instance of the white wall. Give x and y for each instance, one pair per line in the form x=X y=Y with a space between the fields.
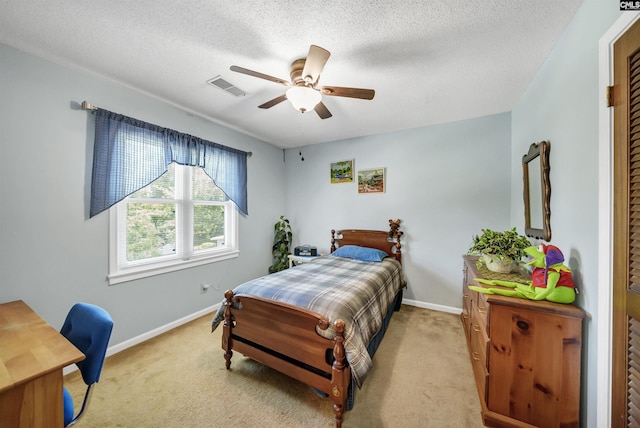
x=561 y=105
x=51 y=254
x=445 y=182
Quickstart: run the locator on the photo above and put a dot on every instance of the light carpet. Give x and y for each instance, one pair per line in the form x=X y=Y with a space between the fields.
x=422 y=377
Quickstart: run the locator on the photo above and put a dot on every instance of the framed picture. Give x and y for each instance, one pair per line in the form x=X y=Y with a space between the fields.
x=372 y=180
x=342 y=171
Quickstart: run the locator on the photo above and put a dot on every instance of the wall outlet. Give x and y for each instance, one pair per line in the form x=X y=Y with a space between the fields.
x=204 y=288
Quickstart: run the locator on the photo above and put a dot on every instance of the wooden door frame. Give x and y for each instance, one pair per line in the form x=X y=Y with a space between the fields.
x=605 y=217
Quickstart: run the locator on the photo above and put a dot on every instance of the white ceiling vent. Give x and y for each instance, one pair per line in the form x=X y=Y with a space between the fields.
x=220 y=83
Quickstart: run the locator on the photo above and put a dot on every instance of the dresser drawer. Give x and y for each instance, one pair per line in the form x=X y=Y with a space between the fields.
x=466 y=310
x=478 y=338
x=480 y=312
x=481 y=307
x=478 y=362
x=466 y=300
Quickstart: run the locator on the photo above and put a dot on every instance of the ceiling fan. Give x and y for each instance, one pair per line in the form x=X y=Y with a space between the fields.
x=304 y=92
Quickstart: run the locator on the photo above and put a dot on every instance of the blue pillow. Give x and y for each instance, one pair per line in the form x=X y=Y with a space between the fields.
x=364 y=254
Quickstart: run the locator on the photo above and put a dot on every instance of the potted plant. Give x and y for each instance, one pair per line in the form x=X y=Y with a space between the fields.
x=281 y=241
x=501 y=251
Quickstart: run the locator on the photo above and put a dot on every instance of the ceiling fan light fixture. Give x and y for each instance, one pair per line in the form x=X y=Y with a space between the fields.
x=302 y=92
x=303 y=98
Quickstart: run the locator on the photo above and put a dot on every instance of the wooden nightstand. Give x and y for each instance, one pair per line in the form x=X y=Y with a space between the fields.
x=298 y=260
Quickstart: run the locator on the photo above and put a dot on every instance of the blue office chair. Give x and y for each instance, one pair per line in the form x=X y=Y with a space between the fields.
x=88 y=327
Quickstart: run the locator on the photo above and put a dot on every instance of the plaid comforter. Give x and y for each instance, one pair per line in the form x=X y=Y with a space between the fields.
x=359 y=293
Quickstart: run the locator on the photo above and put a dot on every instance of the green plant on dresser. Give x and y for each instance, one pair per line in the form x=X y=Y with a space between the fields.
x=282 y=239
x=501 y=251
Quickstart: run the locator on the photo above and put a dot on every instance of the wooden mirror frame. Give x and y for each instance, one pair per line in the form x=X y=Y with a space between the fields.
x=536 y=150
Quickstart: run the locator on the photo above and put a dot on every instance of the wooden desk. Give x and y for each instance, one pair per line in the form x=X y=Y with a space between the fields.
x=32 y=355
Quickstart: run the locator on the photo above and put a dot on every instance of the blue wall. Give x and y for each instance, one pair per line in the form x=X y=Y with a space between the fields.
x=51 y=254
x=561 y=106
x=445 y=182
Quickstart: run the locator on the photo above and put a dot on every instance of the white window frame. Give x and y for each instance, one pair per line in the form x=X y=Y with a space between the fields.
x=121 y=271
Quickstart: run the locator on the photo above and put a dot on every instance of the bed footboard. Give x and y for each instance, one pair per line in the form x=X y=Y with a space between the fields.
x=284 y=337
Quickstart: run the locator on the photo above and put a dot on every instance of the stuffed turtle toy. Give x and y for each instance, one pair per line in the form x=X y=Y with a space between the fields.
x=550 y=279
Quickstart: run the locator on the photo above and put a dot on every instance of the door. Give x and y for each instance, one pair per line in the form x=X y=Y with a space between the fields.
x=625 y=406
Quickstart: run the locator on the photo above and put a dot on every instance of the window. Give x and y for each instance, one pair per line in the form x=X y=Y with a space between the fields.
x=180 y=220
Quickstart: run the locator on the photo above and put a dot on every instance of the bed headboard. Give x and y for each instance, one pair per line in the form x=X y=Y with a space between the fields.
x=388 y=241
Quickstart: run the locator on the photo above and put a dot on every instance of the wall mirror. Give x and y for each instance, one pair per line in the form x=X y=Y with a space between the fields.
x=537 y=192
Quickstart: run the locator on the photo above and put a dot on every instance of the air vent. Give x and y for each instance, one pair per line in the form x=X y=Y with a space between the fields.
x=220 y=83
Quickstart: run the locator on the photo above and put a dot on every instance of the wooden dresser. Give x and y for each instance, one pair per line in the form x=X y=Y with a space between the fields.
x=526 y=355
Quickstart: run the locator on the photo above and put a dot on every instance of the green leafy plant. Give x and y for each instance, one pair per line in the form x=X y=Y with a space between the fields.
x=507 y=245
x=281 y=241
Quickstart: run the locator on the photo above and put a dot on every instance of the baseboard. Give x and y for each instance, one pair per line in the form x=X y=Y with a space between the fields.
x=432 y=306
x=151 y=334
x=177 y=323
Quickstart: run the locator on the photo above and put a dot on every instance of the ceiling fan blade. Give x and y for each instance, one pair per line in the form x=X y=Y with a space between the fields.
x=322 y=111
x=259 y=75
x=274 y=101
x=337 y=91
x=316 y=59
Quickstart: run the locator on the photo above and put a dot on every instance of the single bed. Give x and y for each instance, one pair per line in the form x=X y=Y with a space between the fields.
x=320 y=322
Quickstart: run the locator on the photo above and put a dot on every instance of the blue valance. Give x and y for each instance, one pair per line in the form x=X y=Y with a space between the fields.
x=129 y=154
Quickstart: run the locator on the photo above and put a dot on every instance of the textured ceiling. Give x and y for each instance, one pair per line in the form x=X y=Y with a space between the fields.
x=429 y=61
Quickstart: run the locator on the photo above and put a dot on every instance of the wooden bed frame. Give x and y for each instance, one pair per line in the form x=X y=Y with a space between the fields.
x=284 y=337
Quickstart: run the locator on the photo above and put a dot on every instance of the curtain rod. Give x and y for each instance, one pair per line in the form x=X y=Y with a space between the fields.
x=88 y=106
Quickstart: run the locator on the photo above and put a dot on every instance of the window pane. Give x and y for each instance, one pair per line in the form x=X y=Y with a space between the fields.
x=208 y=227
x=163 y=187
x=203 y=187
x=151 y=230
